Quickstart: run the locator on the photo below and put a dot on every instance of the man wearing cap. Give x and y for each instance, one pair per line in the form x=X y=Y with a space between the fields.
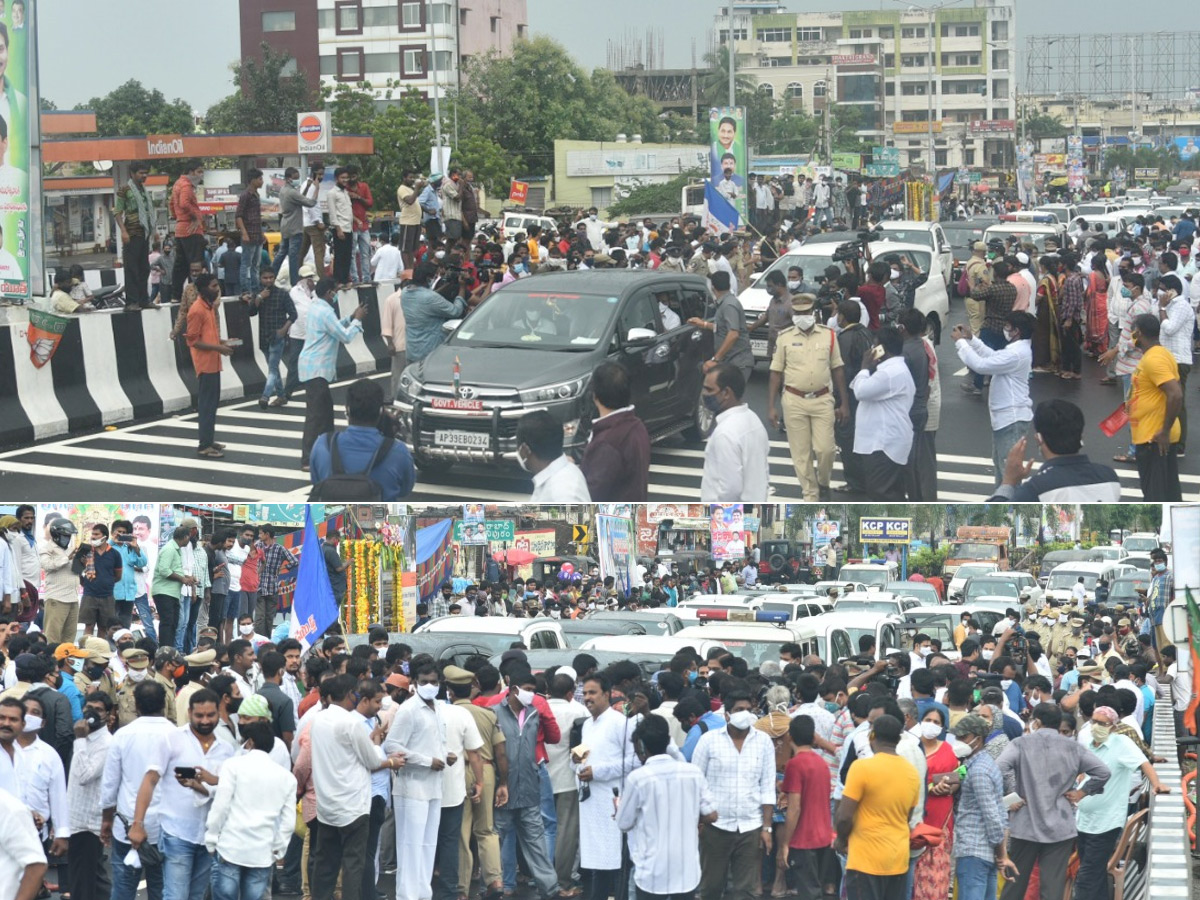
x=807 y=358
x=198 y=666
x=137 y=665
x=302 y=294
x=167 y=666
x=477 y=816
x=70 y=660
x=61 y=610
x=462 y=786
x=96 y=675
x=979 y=275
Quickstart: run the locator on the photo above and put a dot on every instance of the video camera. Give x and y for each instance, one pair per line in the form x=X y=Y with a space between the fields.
x=855 y=249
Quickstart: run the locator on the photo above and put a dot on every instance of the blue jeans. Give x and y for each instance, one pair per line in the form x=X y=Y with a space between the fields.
x=549 y=809
x=289 y=249
x=251 y=260
x=142 y=605
x=230 y=882
x=1003 y=440
x=181 y=630
x=976 y=878
x=275 y=351
x=360 y=265
x=186 y=868
x=125 y=878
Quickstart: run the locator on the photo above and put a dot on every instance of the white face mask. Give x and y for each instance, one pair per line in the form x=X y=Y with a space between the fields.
x=743 y=720
x=136 y=675
x=986 y=654
x=1006 y=683
x=962 y=751
x=96 y=542
x=1137 y=260
x=525 y=698
x=521 y=461
x=793 y=286
x=930 y=730
x=804 y=323
x=32 y=723
x=1010 y=335
x=895 y=274
x=926 y=651
x=1062 y=620
x=427 y=691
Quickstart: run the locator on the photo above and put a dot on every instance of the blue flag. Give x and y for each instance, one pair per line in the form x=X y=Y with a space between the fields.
x=719 y=214
x=313 y=606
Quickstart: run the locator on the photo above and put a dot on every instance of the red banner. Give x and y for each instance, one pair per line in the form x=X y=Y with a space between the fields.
x=518 y=191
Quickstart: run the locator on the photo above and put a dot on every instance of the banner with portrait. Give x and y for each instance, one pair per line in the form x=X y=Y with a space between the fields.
x=18 y=123
x=146 y=519
x=728 y=162
x=728 y=523
x=615 y=542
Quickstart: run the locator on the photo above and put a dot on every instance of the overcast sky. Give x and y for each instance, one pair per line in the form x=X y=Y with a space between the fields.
x=187 y=53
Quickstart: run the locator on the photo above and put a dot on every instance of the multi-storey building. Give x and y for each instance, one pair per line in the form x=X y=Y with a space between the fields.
x=913 y=75
x=422 y=44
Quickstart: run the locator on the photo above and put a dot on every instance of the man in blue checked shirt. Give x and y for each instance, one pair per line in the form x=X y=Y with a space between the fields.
x=318 y=360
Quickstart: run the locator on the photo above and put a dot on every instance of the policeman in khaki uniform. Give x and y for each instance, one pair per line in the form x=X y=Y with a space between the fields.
x=478 y=817
x=137 y=666
x=806 y=360
x=168 y=665
x=202 y=661
x=98 y=655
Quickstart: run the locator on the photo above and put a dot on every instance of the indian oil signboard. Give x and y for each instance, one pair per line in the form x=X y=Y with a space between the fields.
x=313 y=134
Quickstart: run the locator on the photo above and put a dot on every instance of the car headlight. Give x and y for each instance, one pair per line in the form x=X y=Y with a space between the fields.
x=409 y=384
x=570 y=429
x=556 y=393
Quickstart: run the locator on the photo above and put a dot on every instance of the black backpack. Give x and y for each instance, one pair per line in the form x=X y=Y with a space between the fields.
x=344 y=487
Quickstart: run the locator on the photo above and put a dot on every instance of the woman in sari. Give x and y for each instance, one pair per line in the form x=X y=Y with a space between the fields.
x=931 y=872
x=1046 y=352
x=1096 y=338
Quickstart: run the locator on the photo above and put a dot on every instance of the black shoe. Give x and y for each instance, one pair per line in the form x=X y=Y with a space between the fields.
x=824 y=495
x=262 y=402
x=290 y=890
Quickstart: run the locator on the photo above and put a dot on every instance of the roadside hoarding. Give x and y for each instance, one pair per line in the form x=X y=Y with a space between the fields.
x=728 y=523
x=727 y=154
x=885 y=531
x=493 y=531
x=19 y=193
x=615 y=543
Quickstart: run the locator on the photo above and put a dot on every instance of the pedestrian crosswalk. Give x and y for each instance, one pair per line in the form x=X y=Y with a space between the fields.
x=156 y=460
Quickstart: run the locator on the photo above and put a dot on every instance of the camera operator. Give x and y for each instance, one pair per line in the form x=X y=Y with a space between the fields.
x=904 y=277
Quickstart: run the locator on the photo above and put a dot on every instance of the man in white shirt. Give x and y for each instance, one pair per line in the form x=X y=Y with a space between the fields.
x=1178 y=320
x=22 y=860
x=388 y=262
x=42 y=778
x=460 y=785
x=661 y=806
x=1009 y=404
x=567 y=711
x=344 y=755
x=302 y=293
x=883 y=431
x=736 y=458
x=738 y=762
x=184 y=801
x=556 y=479
x=419 y=732
x=87 y=867
x=252 y=818
x=134 y=748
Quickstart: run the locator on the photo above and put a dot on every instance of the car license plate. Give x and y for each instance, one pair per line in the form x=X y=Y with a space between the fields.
x=474 y=440
x=758 y=346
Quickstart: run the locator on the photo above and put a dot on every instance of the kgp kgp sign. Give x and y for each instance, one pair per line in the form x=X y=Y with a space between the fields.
x=313 y=134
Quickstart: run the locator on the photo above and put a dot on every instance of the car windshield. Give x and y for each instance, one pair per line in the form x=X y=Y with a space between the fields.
x=1126 y=588
x=872 y=575
x=1091 y=209
x=871 y=606
x=496 y=643
x=517 y=316
x=990 y=587
x=967 y=571
x=923 y=236
x=972 y=550
x=1140 y=544
x=814 y=262
x=756 y=652
x=1065 y=579
x=1037 y=238
x=925 y=594
x=1113 y=553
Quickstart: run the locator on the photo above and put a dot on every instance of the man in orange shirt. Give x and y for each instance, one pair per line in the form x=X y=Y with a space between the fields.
x=204 y=339
x=190 y=241
x=1155 y=399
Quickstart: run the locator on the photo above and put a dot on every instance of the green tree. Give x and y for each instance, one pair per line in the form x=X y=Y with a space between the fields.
x=1039 y=125
x=131 y=109
x=265 y=99
x=1165 y=159
x=478 y=150
x=655 y=198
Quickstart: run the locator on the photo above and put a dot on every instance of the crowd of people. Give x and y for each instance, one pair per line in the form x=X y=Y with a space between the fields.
x=250 y=764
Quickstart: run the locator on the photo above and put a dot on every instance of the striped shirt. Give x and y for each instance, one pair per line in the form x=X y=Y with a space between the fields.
x=661 y=806
x=273 y=558
x=980 y=819
x=1176 y=330
x=325 y=331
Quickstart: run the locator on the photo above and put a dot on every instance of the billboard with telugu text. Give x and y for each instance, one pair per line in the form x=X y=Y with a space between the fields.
x=18 y=124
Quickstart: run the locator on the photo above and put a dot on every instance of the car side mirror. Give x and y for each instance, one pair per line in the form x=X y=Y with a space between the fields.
x=640 y=335
x=450 y=324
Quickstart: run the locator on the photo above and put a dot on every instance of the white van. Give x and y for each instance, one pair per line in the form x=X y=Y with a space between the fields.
x=757 y=642
x=878 y=575
x=1063 y=579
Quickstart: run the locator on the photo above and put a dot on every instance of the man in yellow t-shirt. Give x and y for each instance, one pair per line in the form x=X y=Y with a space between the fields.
x=408 y=214
x=1155 y=400
x=872 y=819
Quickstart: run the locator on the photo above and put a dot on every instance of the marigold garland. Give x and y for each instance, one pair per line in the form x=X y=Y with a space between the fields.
x=364 y=604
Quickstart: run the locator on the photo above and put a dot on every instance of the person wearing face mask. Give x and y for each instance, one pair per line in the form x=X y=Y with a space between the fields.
x=883 y=429
x=87 y=869
x=1066 y=473
x=137 y=670
x=778 y=314
x=807 y=360
x=1046 y=767
x=61 y=610
x=1045 y=336
x=1100 y=817
x=70 y=660
x=616 y=461
x=45 y=679
x=1177 y=323
x=996 y=300
x=419 y=732
x=1154 y=404
x=540 y=452
x=207 y=348
x=736 y=457
x=1123 y=354
x=980 y=821
x=930 y=873
x=42 y=779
